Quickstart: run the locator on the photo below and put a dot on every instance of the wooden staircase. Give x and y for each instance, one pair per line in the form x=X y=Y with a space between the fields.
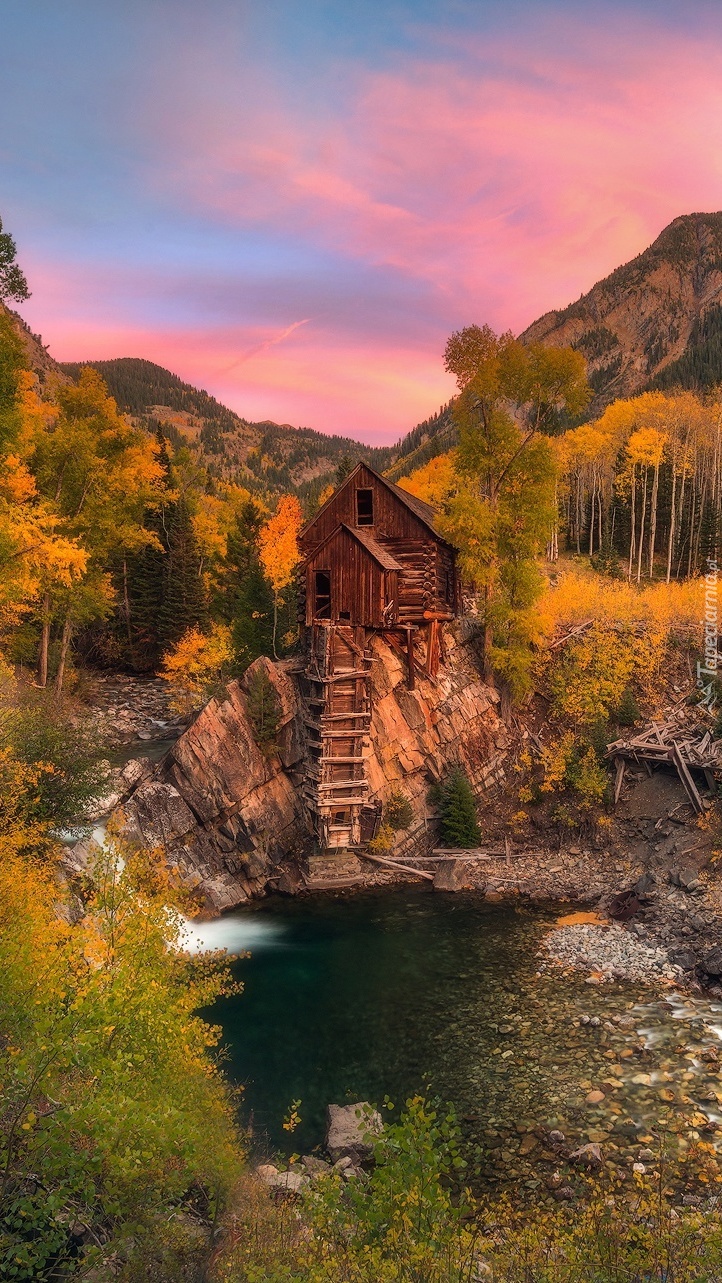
x=338 y=721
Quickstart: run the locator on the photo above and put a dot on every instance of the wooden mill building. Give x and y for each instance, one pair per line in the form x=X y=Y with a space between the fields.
x=373 y=562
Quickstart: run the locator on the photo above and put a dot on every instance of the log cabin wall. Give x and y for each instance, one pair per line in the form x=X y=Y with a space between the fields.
x=426 y=563
x=357 y=581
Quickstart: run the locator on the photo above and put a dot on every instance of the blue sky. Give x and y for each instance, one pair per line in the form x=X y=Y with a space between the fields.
x=293 y=204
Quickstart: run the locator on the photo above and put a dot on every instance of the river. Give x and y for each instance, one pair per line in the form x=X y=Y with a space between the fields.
x=389 y=994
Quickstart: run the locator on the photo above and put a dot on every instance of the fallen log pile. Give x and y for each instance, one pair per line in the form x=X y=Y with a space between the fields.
x=679 y=741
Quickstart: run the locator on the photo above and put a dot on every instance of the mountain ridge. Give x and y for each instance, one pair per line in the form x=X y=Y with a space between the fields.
x=648 y=315
x=653 y=322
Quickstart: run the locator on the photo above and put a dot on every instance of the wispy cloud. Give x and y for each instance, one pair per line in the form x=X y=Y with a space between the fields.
x=266 y=344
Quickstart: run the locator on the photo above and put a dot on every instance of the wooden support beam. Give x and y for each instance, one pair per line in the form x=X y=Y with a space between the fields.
x=619 y=780
x=394 y=864
x=410 y=658
x=689 y=785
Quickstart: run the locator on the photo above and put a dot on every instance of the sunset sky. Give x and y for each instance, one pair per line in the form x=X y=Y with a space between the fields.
x=292 y=203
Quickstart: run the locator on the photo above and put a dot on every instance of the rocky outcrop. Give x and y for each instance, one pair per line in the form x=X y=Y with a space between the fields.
x=416 y=734
x=225 y=813
x=231 y=820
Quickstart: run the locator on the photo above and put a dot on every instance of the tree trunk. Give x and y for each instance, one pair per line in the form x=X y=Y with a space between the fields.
x=275 y=623
x=641 y=526
x=633 y=522
x=44 y=643
x=653 y=519
x=126 y=602
x=64 y=647
x=692 y=514
x=672 y=513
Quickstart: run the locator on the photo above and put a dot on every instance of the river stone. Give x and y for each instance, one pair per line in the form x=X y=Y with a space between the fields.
x=587 y=1156
x=451 y=876
x=712 y=962
x=267 y=1173
x=595 y=1097
x=291 y=1182
x=350 y=1130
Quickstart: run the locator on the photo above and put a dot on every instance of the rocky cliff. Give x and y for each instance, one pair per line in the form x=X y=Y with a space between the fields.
x=656 y=321
x=231 y=820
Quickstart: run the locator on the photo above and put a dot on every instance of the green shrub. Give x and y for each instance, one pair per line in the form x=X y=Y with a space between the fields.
x=264 y=710
x=628 y=713
x=117 y=1143
x=67 y=771
x=398 y=811
x=459 y=825
x=406 y=1222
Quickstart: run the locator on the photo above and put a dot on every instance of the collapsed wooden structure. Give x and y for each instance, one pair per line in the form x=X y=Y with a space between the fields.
x=373 y=563
x=677 y=742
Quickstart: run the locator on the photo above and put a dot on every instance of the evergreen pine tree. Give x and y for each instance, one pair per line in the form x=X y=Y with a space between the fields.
x=245 y=600
x=183 y=598
x=145 y=577
x=628 y=711
x=459 y=825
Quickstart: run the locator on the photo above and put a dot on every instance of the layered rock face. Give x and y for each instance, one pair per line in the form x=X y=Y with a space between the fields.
x=225 y=814
x=231 y=820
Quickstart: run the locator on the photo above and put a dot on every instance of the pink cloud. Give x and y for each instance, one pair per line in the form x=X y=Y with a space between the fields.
x=307 y=375
x=509 y=179
x=492 y=182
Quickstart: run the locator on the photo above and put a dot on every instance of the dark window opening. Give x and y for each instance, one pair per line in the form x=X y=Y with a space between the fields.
x=344 y=614
x=340 y=817
x=322 y=595
x=365 y=507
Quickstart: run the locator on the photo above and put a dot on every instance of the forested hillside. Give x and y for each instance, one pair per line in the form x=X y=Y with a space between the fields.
x=266 y=458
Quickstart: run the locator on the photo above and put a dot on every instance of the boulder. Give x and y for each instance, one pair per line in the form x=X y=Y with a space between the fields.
x=712 y=962
x=158 y=815
x=134 y=772
x=289 y=1182
x=589 y=1156
x=350 y=1131
x=450 y=876
x=77 y=859
x=267 y=1173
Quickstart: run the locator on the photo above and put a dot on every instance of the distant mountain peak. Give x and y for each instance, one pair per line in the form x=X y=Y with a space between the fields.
x=656 y=321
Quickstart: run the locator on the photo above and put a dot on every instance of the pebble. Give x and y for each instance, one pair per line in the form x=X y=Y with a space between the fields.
x=610 y=951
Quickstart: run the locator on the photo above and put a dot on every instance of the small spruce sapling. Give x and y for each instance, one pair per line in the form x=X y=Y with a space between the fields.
x=398 y=811
x=628 y=711
x=263 y=710
x=459 y=825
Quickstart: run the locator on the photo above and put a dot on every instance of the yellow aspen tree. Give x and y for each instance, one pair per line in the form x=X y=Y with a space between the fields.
x=279 y=552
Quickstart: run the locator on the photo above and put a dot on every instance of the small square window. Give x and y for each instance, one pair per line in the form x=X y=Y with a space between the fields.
x=364 y=507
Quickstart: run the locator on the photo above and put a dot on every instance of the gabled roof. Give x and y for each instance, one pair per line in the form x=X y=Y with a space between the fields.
x=420 y=509
x=377 y=550
x=368 y=543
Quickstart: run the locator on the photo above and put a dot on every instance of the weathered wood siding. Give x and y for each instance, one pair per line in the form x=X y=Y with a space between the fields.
x=362 y=591
x=392 y=519
x=358 y=584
